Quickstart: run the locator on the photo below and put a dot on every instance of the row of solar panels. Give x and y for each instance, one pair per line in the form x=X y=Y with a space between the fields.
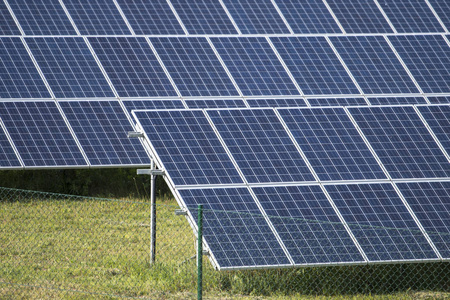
x=161 y=17
x=98 y=67
x=305 y=186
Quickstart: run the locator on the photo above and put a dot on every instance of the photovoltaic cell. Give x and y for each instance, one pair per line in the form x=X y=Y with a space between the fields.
x=69 y=67
x=439 y=100
x=430 y=202
x=307 y=224
x=8 y=157
x=254 y=66
x=374 y=65
x=308 y=16
x=132 y=67
x=256 y=16
x=411 y=16
x=187 y=147
x=97 y=17
x=332 y=144
x=288 y=102
x=361 y=16
x=428 y=59
x=225 y=103
x=438 y=118
x=101 y=127
x=150 y=17
x=19 y=77
x=314 y=65
x=7 y=24
x=380 y=222
x=152 y=104
x=40 y=134
x=234 y=228
x=336 y=101
x=401 y=141
x=42 y=17
x=397 y=100
x=260 y=145
x=203 y=17
x=194 y=67
x=442 y=8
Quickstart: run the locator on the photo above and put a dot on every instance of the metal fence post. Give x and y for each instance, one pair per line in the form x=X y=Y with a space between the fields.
x=200 y=252
x=153 y=216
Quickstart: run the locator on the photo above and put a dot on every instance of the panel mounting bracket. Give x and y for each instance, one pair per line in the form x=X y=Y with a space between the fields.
x=150 y=172
x=180 y=212
x=135 y=134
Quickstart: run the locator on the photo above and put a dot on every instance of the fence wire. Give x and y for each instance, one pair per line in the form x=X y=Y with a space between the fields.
x=55 y=246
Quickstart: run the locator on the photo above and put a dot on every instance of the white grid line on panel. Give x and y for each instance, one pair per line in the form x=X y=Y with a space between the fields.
x=14 y=17
x=385 y=16
x=124 y=17
x=177 y=17
x=230 y=17
x=8 y=136
x=436 y=15
x=334 y=16
x=282 y=16
x=69 y=17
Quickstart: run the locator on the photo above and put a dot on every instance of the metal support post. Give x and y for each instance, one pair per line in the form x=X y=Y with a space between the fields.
x=152 y=216
x=200 y=252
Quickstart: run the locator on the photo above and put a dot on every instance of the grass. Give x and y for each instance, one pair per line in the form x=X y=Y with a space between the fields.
x=89 y=248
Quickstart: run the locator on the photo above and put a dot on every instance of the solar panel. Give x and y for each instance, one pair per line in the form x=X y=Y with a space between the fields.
x=19 y=76
x=187 y=147
x=308 y=16
x=277 y=102
x=430 y=202
x=314 y=65
x=42 y=17
x=401 y=141
x=442 y=8
x=8 y=157
x=438 y=118
x=336 y=101
x=203 y=17
x=260 y=146
x=7 y=24
x=256 y=16
x=374 y=65
x=132 y=67
x=428 y=59
x=411 y=16
x=380 y=222
x=220 y=103
x=439 y=100
x=254 y=66
x=362 y=16
x=101 y=128
x=396 y=100
x=152 y=104
x=194 y=67
x=97 y=17
x=40 y=134
x=235 y=230
x=332 y=144
x=307 y=224
x=69 y=67
x=150 y=17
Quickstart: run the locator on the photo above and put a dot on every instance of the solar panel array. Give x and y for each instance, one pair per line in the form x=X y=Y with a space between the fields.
x=315 y=132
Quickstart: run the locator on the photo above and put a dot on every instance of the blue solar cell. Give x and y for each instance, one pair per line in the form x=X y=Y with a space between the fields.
x=314 y=65
x=288 y=102
x=260 y=145
x=430 y=202
x=337 y=101
x=374 y=65
x=234 y=228
x=439 y=100
x=42 y=17
x=150 y=17
x=254 y=66
x=40 y=134
x=8 y=157
x=380 y=222
x=308 y=16
x=361 y=16
x=194 y=67
x=188 y=147
x=332 y=144
x=7 y=24
x=203 y=17
x=442 y=8
x=411 y=16
x=307 y=224
x=97 y=17
x=256 y=16
x=19 y=76
x=397 y=100
x=152 y=104
x=132 y=67
x=438 y=118
x=69 y=67
x=428 y=59
x=101 y=127
x=225 y=103
x=401 y=141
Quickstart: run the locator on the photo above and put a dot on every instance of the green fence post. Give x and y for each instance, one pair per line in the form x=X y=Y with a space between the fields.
x=200 y=252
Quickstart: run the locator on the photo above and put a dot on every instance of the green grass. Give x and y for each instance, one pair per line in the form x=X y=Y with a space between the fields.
x=89 y=248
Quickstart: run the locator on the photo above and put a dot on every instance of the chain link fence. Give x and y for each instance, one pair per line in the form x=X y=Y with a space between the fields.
x=55 y=246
